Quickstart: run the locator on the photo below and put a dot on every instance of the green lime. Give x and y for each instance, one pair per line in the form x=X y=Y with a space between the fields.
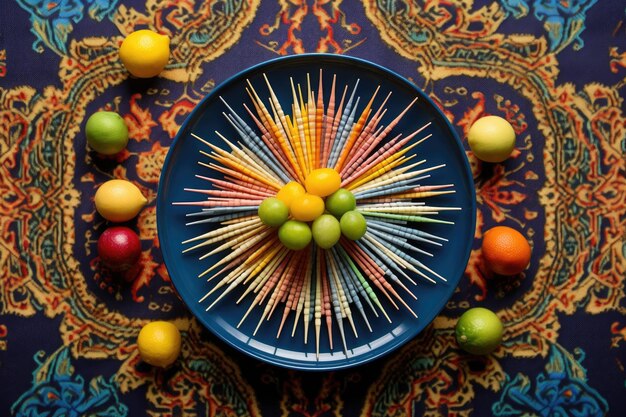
x=479 y=331
x=326 y=231
x=294 y=234
x=273 y=212
x=340 y=202
x=106 y=132
x=353 y=225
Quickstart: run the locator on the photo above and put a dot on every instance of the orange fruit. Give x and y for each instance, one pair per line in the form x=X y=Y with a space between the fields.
x=505 y=251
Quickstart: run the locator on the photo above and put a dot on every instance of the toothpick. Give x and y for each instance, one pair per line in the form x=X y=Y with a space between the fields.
x=355 y=133
x=328 y=123
x=318 y=302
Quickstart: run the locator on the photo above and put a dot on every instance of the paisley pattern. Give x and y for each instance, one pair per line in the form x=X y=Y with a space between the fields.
x=563 y=21
x=58 y=391
x=555 y=69
x=52 y=22
x=560 y=390
x=335 y=35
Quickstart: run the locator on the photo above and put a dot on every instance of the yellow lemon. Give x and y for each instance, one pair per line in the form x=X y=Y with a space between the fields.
x=307 y=208
x=491 y=138
x=145 y=53
x=290 y=192
x=322 y=182
x=119 y=200
x=159 y=343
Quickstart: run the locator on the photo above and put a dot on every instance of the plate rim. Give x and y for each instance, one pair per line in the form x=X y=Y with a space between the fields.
x=213 y=94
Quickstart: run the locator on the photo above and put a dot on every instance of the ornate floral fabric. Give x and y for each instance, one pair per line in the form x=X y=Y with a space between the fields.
x=555 y=69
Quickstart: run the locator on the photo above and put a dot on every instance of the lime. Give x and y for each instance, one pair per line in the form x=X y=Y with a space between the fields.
x=106 y=132
x=353 y=225
x=119 y=200
x=479 y=331
x=159 y=343
x=145 y=53
x=326 y=231
x=273 y=212
x=294 y=234
x=491 y=138
x=340 y=202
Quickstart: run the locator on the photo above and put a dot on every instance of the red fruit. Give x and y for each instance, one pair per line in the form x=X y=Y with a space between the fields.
x=119 y=248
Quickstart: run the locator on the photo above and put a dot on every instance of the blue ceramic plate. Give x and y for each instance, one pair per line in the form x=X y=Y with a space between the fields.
x=181 y=166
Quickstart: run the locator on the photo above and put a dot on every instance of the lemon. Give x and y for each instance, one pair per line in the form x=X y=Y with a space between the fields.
x=145 y=53
x=289 y=192
x=322 y=182
x=307 y=208
x=491 y=138
x=479 y=331
x=119 y=200
x=106 y=132
x=159 y=343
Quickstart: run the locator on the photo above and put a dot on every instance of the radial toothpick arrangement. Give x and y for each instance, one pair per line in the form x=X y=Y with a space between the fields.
x=353 y=281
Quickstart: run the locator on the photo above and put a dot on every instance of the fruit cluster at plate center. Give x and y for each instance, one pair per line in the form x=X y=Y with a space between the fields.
x=295 y=206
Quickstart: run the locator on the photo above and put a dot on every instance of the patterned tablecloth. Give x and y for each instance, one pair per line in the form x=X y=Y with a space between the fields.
x=555 y=69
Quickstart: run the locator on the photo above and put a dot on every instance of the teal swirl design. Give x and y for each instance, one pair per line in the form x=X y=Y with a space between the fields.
x=561 y=390
x=564 y=21
x=57 y=391
x=52 y=21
